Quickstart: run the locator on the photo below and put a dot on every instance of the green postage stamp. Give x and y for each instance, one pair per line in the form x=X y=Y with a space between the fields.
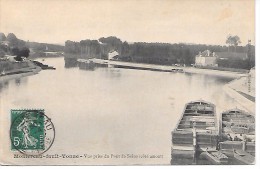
x=31 y=132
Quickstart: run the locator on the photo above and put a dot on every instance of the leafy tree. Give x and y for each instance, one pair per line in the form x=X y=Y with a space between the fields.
x=4 y=48
x=112 y=43
x=233 y=41
x=15 y=51
x=125 y=48
x=24 y=52
x=156 y=53
x=111 y=40
x=2 y=36
x=12 y=39
x=19 y=53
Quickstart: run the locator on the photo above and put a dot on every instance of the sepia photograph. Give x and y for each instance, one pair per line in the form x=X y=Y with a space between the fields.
x=127 y=82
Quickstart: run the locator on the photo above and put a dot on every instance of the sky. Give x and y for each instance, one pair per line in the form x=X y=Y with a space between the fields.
x=169 y=21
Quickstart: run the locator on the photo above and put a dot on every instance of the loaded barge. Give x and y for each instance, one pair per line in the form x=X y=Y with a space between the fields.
x=237 y=138
x=196 y=132
x=199 y=139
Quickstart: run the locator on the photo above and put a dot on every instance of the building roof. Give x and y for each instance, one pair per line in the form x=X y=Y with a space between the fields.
x=232 y=55
x=206 y=53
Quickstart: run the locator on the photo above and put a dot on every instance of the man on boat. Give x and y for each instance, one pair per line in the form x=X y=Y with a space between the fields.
x=237 y=139
x=229 y=137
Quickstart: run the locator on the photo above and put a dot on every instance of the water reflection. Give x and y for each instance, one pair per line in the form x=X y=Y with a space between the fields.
x=3 y=85
x=17 y=81
x=112 y=73
x=70 y=62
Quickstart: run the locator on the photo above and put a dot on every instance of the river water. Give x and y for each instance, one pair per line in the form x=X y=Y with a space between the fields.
x=109 y=110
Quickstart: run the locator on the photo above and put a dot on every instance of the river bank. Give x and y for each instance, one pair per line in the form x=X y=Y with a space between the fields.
x=230 y=74
x=243 y=91
x=31 y=69
x=164 y=68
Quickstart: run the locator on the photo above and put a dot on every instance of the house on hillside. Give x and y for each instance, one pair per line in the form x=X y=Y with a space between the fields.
x=206 y=58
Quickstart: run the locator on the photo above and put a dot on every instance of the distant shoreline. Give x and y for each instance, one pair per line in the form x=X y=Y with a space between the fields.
x=167 y=68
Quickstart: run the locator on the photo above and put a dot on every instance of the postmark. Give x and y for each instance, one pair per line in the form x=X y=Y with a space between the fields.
x=31 y=131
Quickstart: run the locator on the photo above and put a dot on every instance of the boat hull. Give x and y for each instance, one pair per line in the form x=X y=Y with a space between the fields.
x=196 y=131
x=215 y=157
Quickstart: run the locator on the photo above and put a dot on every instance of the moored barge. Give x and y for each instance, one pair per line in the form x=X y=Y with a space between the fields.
x=237 y=135
x=196 y=132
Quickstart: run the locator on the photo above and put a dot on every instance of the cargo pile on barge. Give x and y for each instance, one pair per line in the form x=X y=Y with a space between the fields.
x=238 y=135
x=199 y=136
x=196 y=131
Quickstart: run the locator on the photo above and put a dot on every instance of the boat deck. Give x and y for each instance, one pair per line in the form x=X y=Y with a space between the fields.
x=199 y=115
x=238 y=134
x=237 y=125
x=197 y=136
x=196 y=131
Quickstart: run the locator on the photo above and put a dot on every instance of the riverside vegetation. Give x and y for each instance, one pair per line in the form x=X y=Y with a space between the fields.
x=14 y=51
x=160 y=53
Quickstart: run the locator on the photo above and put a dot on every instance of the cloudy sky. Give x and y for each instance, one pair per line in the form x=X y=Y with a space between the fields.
x=172 y=21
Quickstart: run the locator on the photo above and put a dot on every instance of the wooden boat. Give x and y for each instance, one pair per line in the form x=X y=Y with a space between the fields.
x=244 y=157
x=237 y=131
x=196 y=131
x=215 y=157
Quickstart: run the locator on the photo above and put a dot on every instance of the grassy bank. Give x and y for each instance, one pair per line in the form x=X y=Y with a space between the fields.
x=6 y=66
x=11 y=70
x=238 y=90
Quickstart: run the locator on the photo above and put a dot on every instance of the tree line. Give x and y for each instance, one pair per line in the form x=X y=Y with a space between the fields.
x=156 y=53
x=11 y=45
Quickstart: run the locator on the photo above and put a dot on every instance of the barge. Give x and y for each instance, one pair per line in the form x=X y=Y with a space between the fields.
x=196 y=132
x=237 y=135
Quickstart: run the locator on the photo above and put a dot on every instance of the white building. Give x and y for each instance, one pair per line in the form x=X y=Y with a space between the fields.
x=206 y=58
x=112 y=55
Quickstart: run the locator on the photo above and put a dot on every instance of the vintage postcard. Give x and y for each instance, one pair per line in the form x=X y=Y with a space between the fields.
x=127 y=82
